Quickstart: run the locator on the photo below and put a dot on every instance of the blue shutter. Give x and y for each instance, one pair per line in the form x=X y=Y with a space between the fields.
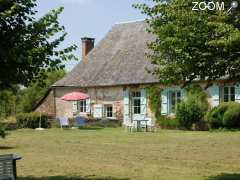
x=98 y=111
x=126 y=113
x=183 y=94
x=88 y=105
x=215 y=94
x=237 y=93
x=164 y=102
x=74 y=104
x=143 y=104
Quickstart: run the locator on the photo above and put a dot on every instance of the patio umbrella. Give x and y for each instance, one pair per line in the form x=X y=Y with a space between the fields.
x=74 y=96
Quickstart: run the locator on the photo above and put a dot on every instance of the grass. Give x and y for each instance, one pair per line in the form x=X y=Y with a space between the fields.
x=113 y=154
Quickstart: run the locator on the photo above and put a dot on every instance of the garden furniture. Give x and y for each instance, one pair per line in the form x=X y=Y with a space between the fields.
x=8 y=169
x=80 y=121
x=141 y=123
x=64 y=122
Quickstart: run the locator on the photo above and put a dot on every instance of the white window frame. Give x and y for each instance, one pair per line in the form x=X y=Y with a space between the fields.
x=107 y=112
x=229 y=95
x=136 y=96
x=177 y=99
x=82 y=106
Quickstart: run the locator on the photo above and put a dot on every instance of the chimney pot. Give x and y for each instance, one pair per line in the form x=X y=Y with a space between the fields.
x=87 y=46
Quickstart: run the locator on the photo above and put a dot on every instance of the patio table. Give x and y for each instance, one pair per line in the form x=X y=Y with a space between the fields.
x=139 y=124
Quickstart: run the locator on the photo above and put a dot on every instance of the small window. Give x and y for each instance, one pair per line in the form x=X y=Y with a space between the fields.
x=108 y=111
x=229 y=93
x=81 y=105
x=175 y=98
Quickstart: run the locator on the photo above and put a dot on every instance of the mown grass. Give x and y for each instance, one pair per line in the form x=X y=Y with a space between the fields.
x=113 y=154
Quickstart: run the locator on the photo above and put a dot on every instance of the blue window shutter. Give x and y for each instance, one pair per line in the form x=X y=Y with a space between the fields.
x=98 y=111
x=126 y=113
x=164 y=102
x=237 y=93
x=183 y=94
x=143 y=103
x=74 y=103
x=215 y=94
x=88 y=105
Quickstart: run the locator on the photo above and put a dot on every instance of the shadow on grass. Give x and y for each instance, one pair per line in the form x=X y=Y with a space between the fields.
x=90 y=128
x=6 y=147
x=71 y=178
x=225 y=176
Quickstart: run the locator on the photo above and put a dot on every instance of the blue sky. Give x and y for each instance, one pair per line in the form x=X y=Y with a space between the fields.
x=92 y=18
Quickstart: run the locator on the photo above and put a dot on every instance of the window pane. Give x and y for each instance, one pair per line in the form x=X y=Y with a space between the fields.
x=178 y=96
x=136 y=106
x=232 y=90
x=226 y=91
x=136 y=94
x=226 y=98
x=232 y=97
x=82 y=106
x=109 y=111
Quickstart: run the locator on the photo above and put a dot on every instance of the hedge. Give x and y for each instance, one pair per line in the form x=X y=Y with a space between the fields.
x=32 y=120
x=226 y=115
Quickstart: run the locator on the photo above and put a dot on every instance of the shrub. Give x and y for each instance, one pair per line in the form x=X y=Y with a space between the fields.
x=226 y=115
x=192 y=110
x=167 y=122
x=32 y=120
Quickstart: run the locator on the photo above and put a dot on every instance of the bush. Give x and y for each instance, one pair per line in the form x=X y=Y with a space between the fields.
x=192 y=110
x=32 y=120
x=226 y=115
x=167 y=122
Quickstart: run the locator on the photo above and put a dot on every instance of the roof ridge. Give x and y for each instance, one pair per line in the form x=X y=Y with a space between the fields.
x=127 y=22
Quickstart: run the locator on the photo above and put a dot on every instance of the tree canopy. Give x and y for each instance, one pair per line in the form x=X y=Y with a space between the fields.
x=193 y=45
x=28 y=46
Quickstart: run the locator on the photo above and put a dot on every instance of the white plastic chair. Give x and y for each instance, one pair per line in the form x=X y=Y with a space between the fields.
x=129 y=126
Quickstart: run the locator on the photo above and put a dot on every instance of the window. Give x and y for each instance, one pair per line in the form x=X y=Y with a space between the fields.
x=175 y=98
x=136 y=102
x=81 y=105
x=228 y=93
x=108 y=111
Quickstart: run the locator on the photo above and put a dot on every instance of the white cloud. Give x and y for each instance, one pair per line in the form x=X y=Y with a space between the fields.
x=82 y=2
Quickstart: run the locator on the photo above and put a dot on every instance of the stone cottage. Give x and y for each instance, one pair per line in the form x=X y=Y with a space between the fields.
x=114 y=74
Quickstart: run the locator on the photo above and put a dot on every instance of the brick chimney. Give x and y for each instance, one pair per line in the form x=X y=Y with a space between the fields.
x=87 y=46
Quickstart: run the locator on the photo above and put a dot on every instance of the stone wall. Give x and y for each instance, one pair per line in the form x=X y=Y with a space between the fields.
x=100 y=95
x=47 y=105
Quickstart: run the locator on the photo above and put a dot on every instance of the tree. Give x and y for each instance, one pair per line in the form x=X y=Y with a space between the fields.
x=30 y=96
x=29 y=47
x=193 y=45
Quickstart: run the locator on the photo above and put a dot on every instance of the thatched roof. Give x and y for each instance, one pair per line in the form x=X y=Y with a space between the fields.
x=119 y=59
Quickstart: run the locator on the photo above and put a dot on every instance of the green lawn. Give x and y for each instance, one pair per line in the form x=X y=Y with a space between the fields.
x=57 y=154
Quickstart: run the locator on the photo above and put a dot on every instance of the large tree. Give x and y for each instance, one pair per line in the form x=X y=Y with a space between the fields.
x=28 y=46
x=29 y=97
x=193 y=45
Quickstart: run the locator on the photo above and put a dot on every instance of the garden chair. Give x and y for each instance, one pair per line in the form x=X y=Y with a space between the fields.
x=129 y=126
x=7 y=167
x=80 y=122
x=150 y=125
x=64 y=122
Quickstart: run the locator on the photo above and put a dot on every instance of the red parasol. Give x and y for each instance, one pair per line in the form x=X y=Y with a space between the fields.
x=74 y=96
